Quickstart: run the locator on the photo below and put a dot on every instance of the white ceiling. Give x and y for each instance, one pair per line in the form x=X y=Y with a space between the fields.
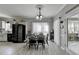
x=29 y=10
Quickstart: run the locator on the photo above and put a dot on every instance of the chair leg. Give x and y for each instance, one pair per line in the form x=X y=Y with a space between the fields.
x=43 y=45
x=37 y=45
x=29 y=46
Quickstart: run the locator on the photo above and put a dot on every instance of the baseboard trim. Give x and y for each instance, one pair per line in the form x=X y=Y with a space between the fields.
x=3 y=41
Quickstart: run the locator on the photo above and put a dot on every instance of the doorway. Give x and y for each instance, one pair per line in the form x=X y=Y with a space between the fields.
x=73 y=34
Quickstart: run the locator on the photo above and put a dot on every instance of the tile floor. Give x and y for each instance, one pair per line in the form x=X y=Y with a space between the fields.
x=9 y=48
x=74 y=46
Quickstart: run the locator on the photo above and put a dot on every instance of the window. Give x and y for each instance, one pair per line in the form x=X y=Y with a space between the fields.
x=3 y=25
x=6 y=26
x=40 y=27
x=36 y=27
x=73 y=27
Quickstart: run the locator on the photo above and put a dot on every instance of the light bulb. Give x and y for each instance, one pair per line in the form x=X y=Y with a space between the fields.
x=41 y=17
x=37 y=17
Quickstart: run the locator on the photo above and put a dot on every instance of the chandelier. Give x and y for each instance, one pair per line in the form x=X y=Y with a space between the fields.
x=39 y=16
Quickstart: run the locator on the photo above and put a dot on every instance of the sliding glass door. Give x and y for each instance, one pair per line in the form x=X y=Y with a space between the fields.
x=73 y=34
x=73 y=30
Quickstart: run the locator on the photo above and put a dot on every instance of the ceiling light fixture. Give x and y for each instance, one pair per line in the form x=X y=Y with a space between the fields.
x=39 y=16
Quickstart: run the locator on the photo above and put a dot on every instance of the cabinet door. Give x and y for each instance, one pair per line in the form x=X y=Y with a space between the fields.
x=24 y=32
x=14 y=32
x=20 y=29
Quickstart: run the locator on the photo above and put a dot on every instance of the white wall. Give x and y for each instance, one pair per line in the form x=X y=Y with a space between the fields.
x=29 y=22
x=63 y=34
x=57 y=31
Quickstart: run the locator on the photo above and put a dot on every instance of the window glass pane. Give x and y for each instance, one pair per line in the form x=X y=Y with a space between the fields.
x=8 y=27
x=36 y=27
x=40 y=27
x=3 y=24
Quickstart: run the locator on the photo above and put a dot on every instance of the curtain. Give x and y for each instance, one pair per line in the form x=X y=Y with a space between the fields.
x=39 y=27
